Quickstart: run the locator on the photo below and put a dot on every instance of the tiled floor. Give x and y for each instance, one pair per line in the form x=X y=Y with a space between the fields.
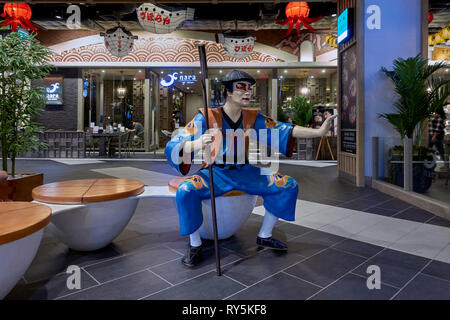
x=340 y=233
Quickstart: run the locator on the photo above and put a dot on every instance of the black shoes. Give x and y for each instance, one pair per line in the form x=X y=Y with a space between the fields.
x=193 y=256
x=271 y=243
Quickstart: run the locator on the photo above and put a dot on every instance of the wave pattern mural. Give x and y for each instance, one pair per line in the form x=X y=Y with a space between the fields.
x=158 y=49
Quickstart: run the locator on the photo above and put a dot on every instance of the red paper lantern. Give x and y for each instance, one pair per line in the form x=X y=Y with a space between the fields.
x=430 y=17
x=299 y=9
x=15 y=14
x=297 y=14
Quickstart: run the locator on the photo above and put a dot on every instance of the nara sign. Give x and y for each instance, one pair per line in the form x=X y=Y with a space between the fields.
x=53 y=87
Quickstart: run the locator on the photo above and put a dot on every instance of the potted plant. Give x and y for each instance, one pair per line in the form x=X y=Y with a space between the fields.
x=22 y=60
x=301 y=112
x=419 y=95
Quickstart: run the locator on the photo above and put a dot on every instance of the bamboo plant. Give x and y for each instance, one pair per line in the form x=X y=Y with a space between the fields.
x=22 y=60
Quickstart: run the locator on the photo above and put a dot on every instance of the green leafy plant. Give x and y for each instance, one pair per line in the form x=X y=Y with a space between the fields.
x=301 y=110
x=22 y=60
x=419 y=93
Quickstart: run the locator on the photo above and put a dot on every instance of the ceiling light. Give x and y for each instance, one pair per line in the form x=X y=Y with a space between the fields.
x=181 y=72
x=187 y=88
x=257 y=71
x=312 y=77
x=281 y=77
x=58 y=17
x=162 y=72
x=220 y=71
x=446 y=70
x=323 y=70
x=103 y=70
x=285 y=71
x=333 y=15
x=200 y=72
x=140 y=70
x=134 y=79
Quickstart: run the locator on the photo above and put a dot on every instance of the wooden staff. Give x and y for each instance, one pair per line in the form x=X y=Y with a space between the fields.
x=202 y=55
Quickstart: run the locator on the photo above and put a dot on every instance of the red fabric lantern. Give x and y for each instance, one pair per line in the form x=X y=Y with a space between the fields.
x=15 y=14
x=430 y=17
x=297 y=14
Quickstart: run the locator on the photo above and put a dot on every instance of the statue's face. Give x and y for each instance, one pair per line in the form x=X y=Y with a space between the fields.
x=242 y=90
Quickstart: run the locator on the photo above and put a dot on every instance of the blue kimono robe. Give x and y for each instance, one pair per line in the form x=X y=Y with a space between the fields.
x=231 y=169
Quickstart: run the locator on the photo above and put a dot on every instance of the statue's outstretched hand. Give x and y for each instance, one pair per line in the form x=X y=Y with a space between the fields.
x=327 y=124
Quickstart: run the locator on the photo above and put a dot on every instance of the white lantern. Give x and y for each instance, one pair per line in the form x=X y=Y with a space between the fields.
x=238 y=45
x=157 y=19
x=119 y=41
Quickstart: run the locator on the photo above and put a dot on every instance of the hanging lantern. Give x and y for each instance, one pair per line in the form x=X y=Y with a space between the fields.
x=430 y=17
x=297 y=14
x=119 y=41
x=331 y=40
x=237 y=45
x=159 y=19
x=16 y=14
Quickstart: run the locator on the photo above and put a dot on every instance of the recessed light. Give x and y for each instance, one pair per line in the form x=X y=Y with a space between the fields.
x=134 y=79
x=103 y=70
x=334 y=15
x=285 y=71
x=312 y=77
x=181 y=72
x=162 y=72
x=187 y=88
x=257 y=71
x=140 y=70
x=200 y=72
x=220 y=71
x=446 y=70
x=323 y=70
x=58 y=17
x=281 y=77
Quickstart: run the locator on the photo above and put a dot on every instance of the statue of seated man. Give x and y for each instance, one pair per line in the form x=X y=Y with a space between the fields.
x=231 y=127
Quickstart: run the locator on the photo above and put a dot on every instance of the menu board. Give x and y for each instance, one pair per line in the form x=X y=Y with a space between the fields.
x=348 y=89
x=348 y=141
x=53 y=87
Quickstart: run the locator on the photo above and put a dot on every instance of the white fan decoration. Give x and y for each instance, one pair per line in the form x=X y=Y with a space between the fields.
x=161 y=20
x=119 y=41
x=238 y=45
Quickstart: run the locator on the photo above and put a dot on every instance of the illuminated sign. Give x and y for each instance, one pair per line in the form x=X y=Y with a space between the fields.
x=182 y=78
x=345 y=26
x=53 y=90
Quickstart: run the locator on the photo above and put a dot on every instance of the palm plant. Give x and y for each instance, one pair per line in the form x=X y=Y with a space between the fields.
x=22 y=60
x=420 y=94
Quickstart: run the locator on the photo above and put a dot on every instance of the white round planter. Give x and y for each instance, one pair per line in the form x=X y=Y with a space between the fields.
x=15 y=258
x=231 y=213
x=92 y=226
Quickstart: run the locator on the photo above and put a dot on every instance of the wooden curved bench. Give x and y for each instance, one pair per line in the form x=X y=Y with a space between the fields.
x=175 y=183
x=21 y=229
x=90 y=213
x=20 y=219
x=87 y=191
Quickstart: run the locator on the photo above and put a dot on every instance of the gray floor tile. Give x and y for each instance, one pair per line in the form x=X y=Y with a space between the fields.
x=359 y=248
x=206 y=287
x=438 y=221
x=397 y=268
x=382 y=211
x=424 y=287
x=175 y=272
x=131 y=287
x=293 y=229
x=255 y=268
x=379 y=196
x=125 y=265
x=325 y=267
x=359 y=204
x=353 y=287
x=438 y=269
x=313 y=242
x=278 y=287
x=52 y=259
x=414 y=214
x=49 y=289
x=394 y=204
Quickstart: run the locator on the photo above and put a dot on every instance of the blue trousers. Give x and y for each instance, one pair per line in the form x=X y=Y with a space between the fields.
x=278 y=191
